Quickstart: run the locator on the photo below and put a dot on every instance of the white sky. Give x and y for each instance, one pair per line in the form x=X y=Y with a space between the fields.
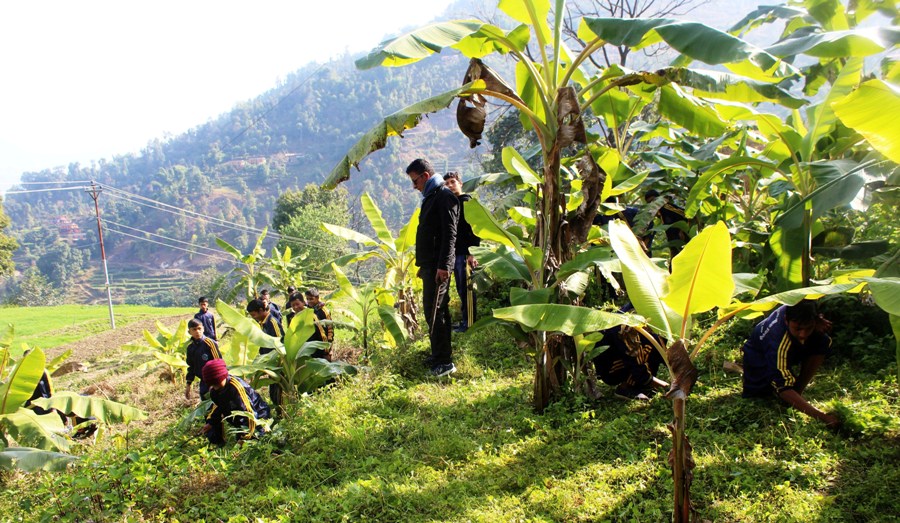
x=90 y=79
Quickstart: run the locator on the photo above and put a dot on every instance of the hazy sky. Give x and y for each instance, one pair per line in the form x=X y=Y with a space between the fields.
x=90 y=79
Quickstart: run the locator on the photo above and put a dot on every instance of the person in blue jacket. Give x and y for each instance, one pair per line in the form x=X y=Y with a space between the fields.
x=234 y=402
x=206 y=318
x=793 y=337
x=271 y=325
x=465 y=262
x=200 y=350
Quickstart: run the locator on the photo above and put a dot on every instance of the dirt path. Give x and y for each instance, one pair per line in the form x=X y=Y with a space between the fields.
x=92 y=347
x=100 y=354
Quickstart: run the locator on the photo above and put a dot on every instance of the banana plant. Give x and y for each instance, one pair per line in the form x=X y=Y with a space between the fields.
x=702 y=280
x=44 y=434
x=291 y=364
x=368 y=300
x=554 y=88
x=167 y=348
x=248 y=269
x=288 y=269
x=397 y=254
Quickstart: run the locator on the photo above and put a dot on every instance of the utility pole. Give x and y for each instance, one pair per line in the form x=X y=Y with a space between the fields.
x=95 y=191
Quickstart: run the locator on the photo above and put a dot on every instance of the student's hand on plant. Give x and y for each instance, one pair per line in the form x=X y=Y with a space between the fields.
x=471 y=261
x=206 y=428
x=831 y=421
x=441 y=276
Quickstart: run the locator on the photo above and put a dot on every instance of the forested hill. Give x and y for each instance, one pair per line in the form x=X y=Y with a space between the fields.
x=228 y=172
x=233 y=168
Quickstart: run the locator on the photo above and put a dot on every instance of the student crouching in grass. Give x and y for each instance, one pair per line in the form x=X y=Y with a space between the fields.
x=234 y=402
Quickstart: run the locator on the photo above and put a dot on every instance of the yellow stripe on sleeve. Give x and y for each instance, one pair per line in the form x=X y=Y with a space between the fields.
x=783 y=367
x=251 y=419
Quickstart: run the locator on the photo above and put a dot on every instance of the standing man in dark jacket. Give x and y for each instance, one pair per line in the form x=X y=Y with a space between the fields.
x=465 y=262
x=435 y=256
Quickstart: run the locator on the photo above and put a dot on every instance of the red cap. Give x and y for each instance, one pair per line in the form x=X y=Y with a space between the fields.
x=214 y=371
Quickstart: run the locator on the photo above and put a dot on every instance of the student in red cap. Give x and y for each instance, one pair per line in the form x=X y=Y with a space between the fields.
x=234 y=401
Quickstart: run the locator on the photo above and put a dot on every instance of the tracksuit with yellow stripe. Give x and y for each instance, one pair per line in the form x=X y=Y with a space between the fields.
x=199 y=351
x=771 y=351
x=229 y=402
x=272 y=326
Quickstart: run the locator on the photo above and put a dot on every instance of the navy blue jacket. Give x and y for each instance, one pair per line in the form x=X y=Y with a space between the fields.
x=771 y=351
x=199 y=352
x=237 y=396
x=209 y=323
x=271 y=326
x=465 y=236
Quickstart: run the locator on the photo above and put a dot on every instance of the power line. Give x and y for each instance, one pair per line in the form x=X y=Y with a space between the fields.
x=158 y=205
x=27 y=191
x=166 y=245
x=194 y=245
x=49 y=183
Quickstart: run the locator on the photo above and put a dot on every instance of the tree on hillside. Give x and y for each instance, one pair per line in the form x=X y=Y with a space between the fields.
x=8 y=245
x=298 y=216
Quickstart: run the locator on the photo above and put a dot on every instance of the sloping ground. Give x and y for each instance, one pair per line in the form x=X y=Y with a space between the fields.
x=92 y=347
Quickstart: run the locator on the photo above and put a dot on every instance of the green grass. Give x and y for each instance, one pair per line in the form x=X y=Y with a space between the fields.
x=396 y=445
x=49 y=327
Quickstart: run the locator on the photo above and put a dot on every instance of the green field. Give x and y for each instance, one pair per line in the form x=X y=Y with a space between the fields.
x=48 y=327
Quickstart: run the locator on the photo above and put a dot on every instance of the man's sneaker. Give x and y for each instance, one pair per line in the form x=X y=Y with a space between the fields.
x=460 y=328
x=445 y=369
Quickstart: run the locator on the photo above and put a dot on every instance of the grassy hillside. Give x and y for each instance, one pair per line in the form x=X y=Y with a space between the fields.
x=396 y=445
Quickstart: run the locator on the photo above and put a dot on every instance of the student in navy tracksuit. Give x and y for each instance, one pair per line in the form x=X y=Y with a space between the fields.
x=206 y=318
x=792 y=336
x=465 y=262
x=323 y=332
x=296 y=303
x=630 y=363
x=234 y=402
x=200 y=350
x=435 y=256
x=273 y=307
x=271 y=325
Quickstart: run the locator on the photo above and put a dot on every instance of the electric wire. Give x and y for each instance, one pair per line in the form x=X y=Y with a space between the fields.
x=194 y=245
x=28 y=191
x=167 y=245
x=141 y=200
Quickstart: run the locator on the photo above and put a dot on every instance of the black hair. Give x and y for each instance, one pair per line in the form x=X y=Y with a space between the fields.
x=264 y=292
x=201 y=300
x=290 y=290
x=453 y=174
x=419 y=166
x=255 y=305
x=193 y=323
x=803 y=312
x=296 y=296
x=312 y=291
